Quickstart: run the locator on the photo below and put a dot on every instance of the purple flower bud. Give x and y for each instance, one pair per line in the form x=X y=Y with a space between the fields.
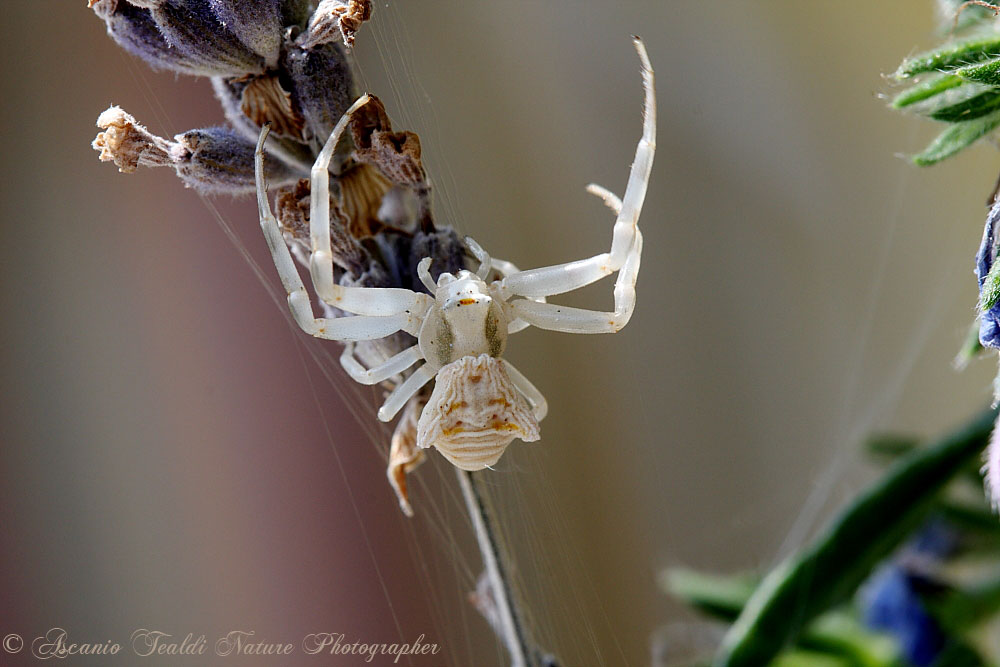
x=256 y=22
x=892 y=603
x=989 y=316
x=190 y=26
x=322 y=87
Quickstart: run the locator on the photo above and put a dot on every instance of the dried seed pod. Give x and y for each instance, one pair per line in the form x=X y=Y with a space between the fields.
x=218 y=159
x=134 y=29
x=321 y=86
x=474 y=413
x=256 y=22
x=191 y=27
x=335 y=20
x=212 y=160
x=404 y=455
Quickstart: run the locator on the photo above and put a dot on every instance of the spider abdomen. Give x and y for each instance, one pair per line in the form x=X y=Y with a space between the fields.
x=474 y=413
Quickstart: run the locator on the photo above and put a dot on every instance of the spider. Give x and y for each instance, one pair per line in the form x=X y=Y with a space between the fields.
x=480 y=402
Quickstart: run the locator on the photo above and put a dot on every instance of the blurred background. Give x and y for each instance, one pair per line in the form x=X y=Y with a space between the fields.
x=176 y=456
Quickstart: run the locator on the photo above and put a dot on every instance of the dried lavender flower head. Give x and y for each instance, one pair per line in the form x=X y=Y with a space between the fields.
x=271 y=61
x=209 y=160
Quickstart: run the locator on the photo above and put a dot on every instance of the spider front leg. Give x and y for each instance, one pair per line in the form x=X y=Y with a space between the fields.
x=387 y=310
x=624 y=256
x=359 y=300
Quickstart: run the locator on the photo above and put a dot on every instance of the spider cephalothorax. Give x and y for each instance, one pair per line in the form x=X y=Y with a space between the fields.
x=480 y=402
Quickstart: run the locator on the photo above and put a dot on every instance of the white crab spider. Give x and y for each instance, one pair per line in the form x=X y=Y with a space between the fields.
x=480 y=402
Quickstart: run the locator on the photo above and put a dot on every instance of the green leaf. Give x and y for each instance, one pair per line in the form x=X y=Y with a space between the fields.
x=718 y=596
x=988 y=73
x=833 y=633
x=963 y=609
x=978 y=526
x=840 y=633
x=890 y=446
x=951 y=56
x=957 y=653
x=975 y=106
x=926 y=89
x=955 y=138
x=829 y=570
x=989 y=293
x=799 y=658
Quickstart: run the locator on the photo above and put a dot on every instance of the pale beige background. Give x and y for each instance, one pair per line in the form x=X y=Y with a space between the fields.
x=172 y=458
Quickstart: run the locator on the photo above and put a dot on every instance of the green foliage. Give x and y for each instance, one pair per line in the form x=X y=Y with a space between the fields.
x=960 y=135
x=951 y=56
x=989 y=293
x=836 y=634
x=802 y=609
x=829 y=571
x=987 y=73
x=974 y=106
x=721 y=597
x=956 y=83
x=926 y=89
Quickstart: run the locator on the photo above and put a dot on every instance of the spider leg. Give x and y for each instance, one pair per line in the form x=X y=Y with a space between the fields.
x=359 y=327
x=424 y=273
x=539 y=406
x=609 y=198
x=485 y=263
x=505 y=269
x=405 y=391
x=578 y=320
x=625 y=245
x=359 y=300
x=508 y=268
x=392 y=366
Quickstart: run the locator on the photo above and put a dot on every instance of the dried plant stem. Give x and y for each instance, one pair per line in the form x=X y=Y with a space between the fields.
x=509 y=626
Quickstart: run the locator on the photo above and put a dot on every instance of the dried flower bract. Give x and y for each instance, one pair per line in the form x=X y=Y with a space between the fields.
x=127 y=143
x=336 y=19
